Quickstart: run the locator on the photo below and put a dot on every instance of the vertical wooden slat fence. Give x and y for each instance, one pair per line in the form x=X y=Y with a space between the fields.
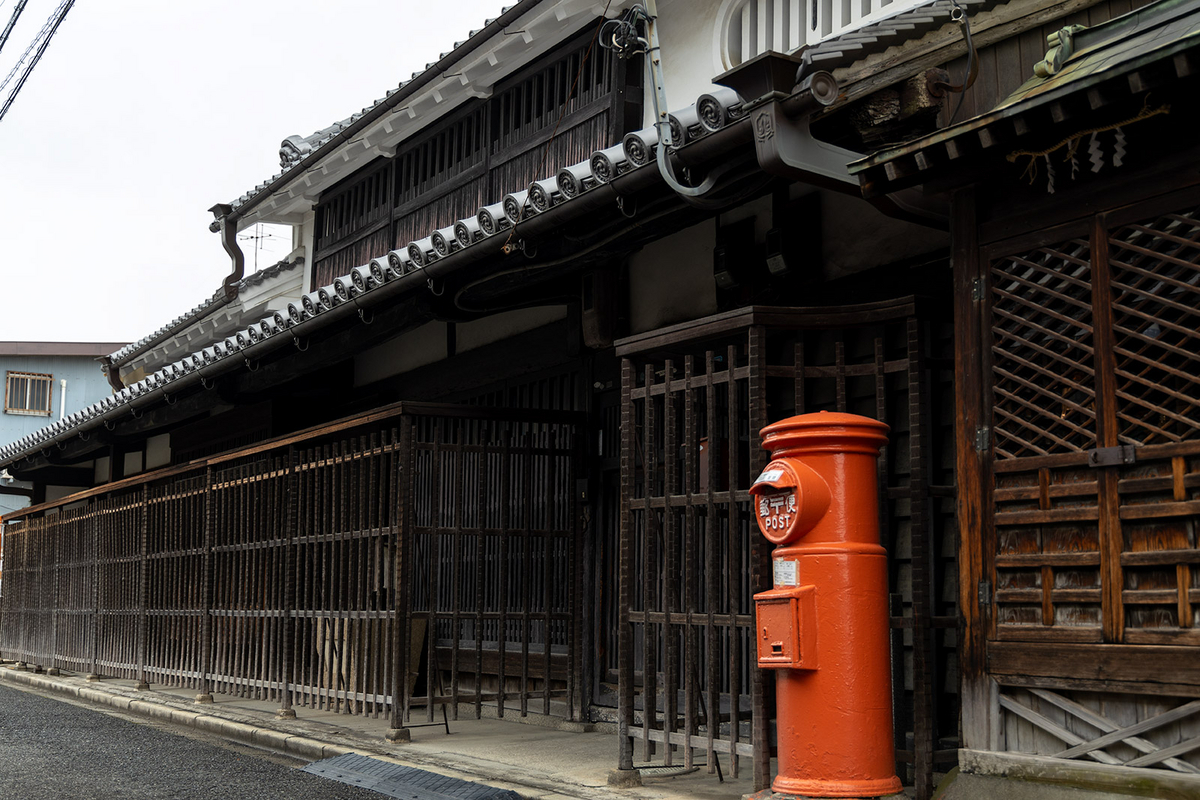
x=422 y=550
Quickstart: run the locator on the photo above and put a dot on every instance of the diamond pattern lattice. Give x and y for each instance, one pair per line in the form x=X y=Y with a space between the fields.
x=1156 y=325
x=1044 y=379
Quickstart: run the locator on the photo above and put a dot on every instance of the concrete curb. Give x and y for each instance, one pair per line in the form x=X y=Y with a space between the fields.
x=292 y=744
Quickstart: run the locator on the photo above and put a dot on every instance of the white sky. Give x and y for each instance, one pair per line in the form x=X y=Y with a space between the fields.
x=142 y=115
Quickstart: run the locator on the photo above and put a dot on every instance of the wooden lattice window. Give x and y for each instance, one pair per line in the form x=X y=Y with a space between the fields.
x=1043 y=393
x=1156 y=324
x=451 y=151
x=353 y=208
x=539 y=100
x=27 y=393
x=1095 y=368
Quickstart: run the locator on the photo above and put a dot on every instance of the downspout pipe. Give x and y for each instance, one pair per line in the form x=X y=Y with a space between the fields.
x=226 y=224
x=111 y=372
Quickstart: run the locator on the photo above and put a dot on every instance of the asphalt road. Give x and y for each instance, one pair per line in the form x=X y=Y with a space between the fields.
x=52 y=749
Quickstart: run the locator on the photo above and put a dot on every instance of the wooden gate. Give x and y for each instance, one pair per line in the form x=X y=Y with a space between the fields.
x=1091 y=573
x=694 y=398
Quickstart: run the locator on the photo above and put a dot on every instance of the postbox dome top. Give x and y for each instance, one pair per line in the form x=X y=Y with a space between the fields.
x=825 y=431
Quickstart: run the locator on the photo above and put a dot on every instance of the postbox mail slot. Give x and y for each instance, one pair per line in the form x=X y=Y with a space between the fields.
x=786 y=628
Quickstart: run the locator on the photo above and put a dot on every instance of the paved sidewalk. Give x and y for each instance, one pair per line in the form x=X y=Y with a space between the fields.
x=540 y=762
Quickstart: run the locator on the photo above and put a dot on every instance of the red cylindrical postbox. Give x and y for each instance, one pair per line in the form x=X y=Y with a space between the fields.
x=824 y=625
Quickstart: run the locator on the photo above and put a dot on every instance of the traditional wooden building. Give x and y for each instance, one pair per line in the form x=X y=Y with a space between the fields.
x=1077 y=303
x=493 y=453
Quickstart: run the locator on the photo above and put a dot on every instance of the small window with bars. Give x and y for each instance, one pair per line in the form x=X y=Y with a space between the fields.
x=27 y=393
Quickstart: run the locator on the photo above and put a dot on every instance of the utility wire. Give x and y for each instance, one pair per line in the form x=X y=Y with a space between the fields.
x=12 y=22
x=32 y=45
x=46 y=34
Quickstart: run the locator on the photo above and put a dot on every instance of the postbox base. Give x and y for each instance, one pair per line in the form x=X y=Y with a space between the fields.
x=801 y=787
x=767 y=794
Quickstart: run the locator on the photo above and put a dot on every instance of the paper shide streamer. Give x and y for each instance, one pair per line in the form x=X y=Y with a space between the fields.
x=1096 y=149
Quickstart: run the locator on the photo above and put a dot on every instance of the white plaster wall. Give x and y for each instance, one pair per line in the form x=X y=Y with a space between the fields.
x=471 y=335
x=158 y=451
x=689 y=58
x=302 y=245
x=425 y=345
x=856 y=236
x=134 y=463
x=671 y=280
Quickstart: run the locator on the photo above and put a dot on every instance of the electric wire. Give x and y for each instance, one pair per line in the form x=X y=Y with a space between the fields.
x=41 y=41
x=12 y=22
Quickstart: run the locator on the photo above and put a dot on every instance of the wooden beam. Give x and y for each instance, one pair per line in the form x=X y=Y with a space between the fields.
x=940 y=47
x=1147 y=664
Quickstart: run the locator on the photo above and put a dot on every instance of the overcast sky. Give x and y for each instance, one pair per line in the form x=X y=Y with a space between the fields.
x=142 y=115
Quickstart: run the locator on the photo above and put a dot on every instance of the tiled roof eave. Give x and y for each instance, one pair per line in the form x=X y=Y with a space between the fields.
x=573 y=191
x=352 y=125
x=210 y=306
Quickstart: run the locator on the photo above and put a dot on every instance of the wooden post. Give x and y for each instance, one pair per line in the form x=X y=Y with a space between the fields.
x=206 y=587
x=761 y=685
x=290 y=521
x=970 y=469
x=1111 y=544
x=56 y=562
x=402 y=481
x=924 y=668
x=143 y=578
x=625 y=774
x=94 y=674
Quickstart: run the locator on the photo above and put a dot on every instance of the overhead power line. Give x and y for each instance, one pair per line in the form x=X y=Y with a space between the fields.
x=41 y=42
x=12 y=22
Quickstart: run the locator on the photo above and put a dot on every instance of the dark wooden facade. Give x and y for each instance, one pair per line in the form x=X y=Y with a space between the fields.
x=579 y=99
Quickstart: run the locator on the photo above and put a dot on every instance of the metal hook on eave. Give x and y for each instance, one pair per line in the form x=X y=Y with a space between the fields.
x=227 y=227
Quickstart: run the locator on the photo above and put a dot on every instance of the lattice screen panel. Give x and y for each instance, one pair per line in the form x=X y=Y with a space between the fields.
x=1156 y=320
x=1107 y=728
x=1043 y=393
x=1160 y=563
x=1047 y=553
x=1054 y=496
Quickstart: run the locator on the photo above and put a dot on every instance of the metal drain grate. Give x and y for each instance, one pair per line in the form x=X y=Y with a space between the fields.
x=407 y=783
x=665 y=772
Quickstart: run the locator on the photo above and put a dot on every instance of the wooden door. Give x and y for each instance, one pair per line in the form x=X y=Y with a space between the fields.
x=1090 y=455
